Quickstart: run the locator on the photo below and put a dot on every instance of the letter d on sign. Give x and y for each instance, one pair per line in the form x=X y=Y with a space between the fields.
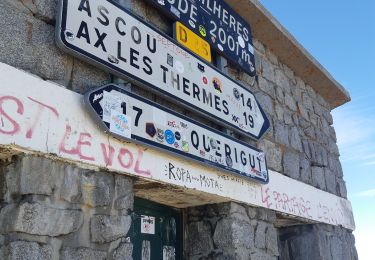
x=182 y=34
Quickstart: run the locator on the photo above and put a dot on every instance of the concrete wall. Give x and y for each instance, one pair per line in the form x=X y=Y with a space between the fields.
x=300 y=144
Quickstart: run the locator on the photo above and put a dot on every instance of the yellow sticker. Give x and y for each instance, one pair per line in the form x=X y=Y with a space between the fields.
x=192 y=41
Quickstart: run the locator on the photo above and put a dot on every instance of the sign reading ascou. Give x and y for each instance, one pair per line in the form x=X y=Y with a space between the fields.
x=217 y=23
x=104 y=33
x=131 y=117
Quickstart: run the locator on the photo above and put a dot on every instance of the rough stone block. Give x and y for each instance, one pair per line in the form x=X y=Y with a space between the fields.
x=272 y=241
x=123 y=252
x=32 y=175
x=265 y=102
x=124 y=196
x=37 y=219
x=266 y=87
x=86 y=76
x=273 y=154
x=238 y=212
x=230 y=234
x=341 y=188
x=330 y=181
x=82 y=253
x=291 y=164
x=290 y=102
x=305 y=169
x=28 y=43
x=280 y=94
x=295 y=139
x=199 y=240
x=318 y=178
x=282 y=80
x=260 y=255
x=267 y=70
x=93 y=189
x=42 y=9
x=260 y=235
x=109 y=228
x=279 y=112
x=18 y=250
x=281 y=133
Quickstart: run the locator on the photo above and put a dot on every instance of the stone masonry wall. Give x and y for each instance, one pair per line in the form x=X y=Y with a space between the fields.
x=42 y=219
x=53 y=210
x=231 y=231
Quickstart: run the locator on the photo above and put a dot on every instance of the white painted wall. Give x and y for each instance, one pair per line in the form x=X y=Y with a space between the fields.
x=43 y=117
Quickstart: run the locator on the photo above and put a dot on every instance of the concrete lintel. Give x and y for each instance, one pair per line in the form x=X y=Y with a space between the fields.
x=270 y=32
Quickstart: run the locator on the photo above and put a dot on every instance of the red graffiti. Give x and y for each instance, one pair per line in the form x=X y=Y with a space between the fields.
x=20 y=110
x=138 y=164
x=41 y=108
x=127 y=154
x=108 y=157
x=77 y=150
x=266 y=197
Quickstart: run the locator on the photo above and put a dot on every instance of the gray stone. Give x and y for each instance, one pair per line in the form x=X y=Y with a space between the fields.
x=260 y=255
x=32 y=175
x=310 y=132
x=260 y=235
x=318 y=178
x=82 y=253
x=288 y=117
x=259 y=46
x=123 y=252
x=332 y=133
x=18 y=250
x=267 y=70
x=109 y=228
x=272 y=241
x=266 y=215
x=290 y=102
x=38 y=219
x=238 y=212
x=273 y=154
x=311 y=92
x=124 y=196
x=306 y=148
x=291 y=164
x=305 y=169
x=295 y=139
x=265 y=102
x=302 y=111
x=290 y=74
x=42 y=9
x=230 y=234
x=330 y=181
x=279 y=112
x=266 y=86
x=272 y=57
x=341 y=188
x=92 y=189
x=86 y=76
x=280 y=95
x=282 y=81
x=32 y=45
x=199 y=239
x=281 y=133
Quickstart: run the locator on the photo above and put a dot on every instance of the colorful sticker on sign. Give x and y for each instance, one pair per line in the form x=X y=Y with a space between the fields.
x=120 y=124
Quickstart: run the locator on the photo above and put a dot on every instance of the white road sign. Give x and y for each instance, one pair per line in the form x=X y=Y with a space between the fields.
x=131 y=117
x=104 y=33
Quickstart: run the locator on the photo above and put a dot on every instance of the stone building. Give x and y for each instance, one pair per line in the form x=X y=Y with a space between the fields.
x=70 y=191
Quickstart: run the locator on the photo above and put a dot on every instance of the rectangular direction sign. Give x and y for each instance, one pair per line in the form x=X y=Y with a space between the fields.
x=126 y=115
x=218 y=24
x=192 y=41
x=104 y=33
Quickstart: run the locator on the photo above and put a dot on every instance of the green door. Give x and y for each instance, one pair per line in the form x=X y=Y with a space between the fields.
x=156 y=231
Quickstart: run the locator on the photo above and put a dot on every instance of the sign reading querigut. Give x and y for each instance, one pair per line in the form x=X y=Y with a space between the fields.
x=218 y=24
x=131 y=117
x=104 y=33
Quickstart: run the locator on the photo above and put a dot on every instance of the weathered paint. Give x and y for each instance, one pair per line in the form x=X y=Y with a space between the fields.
x=42 y=117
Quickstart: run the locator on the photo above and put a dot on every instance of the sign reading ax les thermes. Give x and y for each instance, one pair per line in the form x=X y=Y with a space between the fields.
x=104 y=33
x=134 y=118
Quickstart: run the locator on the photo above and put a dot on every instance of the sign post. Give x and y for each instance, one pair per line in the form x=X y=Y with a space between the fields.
x=106 y=34
x=131 y=117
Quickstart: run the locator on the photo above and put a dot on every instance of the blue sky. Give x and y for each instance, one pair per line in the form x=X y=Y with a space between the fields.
x=340 y=34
